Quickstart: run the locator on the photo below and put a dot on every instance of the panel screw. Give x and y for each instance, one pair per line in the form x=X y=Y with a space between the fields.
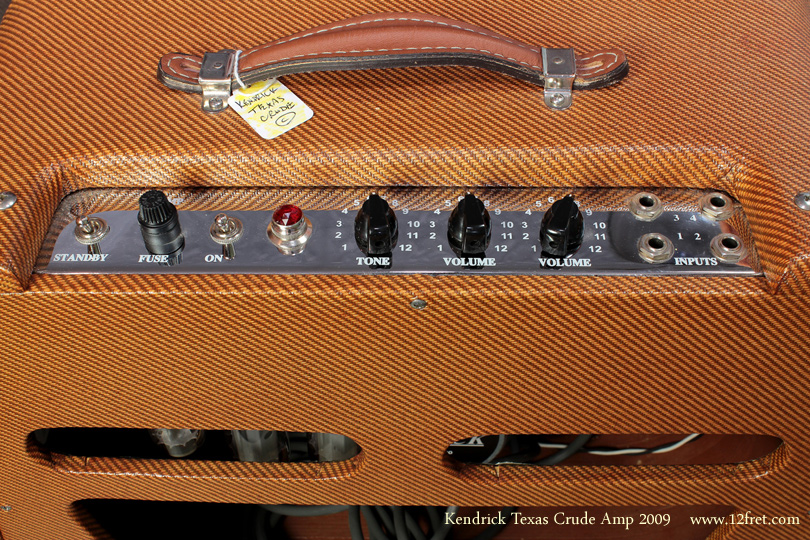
x=418 y=303
x=557 y=100
x=802 y=200
x=7 y=200
x=557 y=60
x=215 y=103
x=6 y=508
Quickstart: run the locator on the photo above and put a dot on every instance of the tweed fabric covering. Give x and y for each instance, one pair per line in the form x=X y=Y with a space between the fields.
x=82 y=109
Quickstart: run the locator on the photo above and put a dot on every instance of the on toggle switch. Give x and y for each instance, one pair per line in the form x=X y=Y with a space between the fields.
x=375 y=231
x=226 y=231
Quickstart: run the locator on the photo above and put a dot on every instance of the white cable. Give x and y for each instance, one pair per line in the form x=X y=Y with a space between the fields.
x=497 y=450
x=618 y=452
x=677 y=445
x=630 y=451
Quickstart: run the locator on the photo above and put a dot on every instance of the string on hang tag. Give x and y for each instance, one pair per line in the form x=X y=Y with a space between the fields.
x=236 y=70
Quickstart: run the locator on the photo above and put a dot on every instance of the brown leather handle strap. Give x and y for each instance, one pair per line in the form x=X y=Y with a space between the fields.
x=390 y=40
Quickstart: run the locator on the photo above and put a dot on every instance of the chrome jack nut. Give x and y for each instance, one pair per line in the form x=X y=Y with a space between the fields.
x=645 y=206
x=728 y=248
x=716 y=206
x=655 y=248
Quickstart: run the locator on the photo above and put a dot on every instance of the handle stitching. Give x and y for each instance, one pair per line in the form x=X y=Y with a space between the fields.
x=606 y=67
x=189 y=77
x=329 y=29
x=397 y=49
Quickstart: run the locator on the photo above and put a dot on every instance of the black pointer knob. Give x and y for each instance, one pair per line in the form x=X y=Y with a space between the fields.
x=160 y=225
x=562 y=231
x=469 y=228
x=375 y=230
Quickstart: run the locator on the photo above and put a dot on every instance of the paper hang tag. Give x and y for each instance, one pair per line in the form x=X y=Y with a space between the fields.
x=270 y=108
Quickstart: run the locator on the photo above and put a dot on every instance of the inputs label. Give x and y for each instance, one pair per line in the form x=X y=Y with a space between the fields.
x=695 y=261
x=80 y=257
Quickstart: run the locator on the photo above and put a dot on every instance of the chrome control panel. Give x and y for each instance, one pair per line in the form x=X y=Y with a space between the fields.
x=703 y=234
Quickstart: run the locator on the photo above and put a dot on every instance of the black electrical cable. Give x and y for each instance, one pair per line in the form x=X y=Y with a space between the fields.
x=433 y=516
x=651 y=450
x=261 y=525
x=275 y=519
x=565 y=453
x=305 y=510
x=561 y=455
x=399 y=523
x=386 y=518
x=414 y=528
x=496 y=528
x=375 y=531
x=355 y=527
x=444 y=529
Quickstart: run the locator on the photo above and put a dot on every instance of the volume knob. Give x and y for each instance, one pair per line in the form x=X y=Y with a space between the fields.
x=160 y=225
x=375 y=229
x=562 y=231
x=469 y=228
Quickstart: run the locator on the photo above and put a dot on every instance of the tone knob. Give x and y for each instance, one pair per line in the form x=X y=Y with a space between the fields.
x=469 y=228
x=160 y=225
x=375 y=231
x=562 y=231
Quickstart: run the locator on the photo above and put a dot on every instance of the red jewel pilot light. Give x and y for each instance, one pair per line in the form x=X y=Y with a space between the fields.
x=287 y=215
x=289 y=230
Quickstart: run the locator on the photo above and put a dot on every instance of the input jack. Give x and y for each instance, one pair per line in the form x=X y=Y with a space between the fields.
x=728 y=248
x=645 y=206
x=717 y=206
x=655 y=248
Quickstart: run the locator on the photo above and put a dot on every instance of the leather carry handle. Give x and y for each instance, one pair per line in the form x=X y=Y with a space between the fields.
x=393 y=40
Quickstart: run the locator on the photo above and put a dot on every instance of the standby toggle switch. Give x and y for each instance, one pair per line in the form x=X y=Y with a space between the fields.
x=375 y=231
x=90 y=231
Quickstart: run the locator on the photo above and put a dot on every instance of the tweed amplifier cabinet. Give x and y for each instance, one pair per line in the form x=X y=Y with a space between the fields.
x=540 y=262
